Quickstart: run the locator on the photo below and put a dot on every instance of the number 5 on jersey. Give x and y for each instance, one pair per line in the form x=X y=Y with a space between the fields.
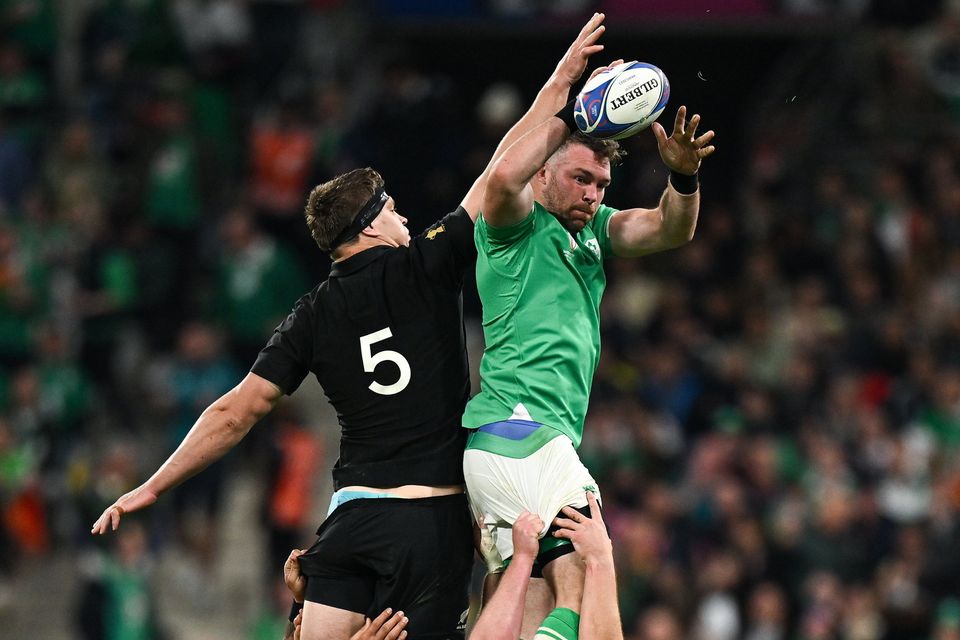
x=371 y=360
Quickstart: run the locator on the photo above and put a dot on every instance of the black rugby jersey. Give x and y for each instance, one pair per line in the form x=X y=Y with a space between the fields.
x=384 y=336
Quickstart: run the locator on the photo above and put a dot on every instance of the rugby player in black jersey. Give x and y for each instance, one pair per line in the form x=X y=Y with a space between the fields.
x=384 y=337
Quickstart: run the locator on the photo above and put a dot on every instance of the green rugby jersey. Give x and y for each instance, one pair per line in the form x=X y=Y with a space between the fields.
x=541 y=292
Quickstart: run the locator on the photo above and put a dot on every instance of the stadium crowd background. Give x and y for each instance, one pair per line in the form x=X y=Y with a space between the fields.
x=776 y=420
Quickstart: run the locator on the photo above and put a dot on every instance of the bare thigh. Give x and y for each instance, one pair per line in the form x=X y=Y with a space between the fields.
x=323 y=622
x=538 y=604
x=565 y=576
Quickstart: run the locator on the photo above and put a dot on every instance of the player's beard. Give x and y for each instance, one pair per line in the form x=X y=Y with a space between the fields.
x=572 y=217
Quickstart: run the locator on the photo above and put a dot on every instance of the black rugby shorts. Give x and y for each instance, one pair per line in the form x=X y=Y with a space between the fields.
x=413 y=555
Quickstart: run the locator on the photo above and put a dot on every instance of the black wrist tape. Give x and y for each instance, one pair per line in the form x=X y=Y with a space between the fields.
x=566 y=114
x=295 y=608
x=682 y=183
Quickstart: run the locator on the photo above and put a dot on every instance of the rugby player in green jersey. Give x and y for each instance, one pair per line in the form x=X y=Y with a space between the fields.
x=541 y=242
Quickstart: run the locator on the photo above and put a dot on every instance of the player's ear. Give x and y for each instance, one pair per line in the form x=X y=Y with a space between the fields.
x=542 y=175
x=369 y=231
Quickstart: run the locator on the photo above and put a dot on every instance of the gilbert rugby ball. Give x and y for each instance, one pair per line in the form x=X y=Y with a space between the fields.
x=621 y=101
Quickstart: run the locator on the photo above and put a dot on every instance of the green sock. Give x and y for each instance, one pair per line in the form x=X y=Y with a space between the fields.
x=560 y=624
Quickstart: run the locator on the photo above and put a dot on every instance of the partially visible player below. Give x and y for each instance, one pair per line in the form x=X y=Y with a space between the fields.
x=502 y=616
x=542 y=239
x=599 y=617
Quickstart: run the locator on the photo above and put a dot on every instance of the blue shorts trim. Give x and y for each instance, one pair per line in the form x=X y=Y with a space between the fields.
x=511 y=429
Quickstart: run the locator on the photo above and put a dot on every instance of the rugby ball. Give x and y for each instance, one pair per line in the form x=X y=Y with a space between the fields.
x=621 y=101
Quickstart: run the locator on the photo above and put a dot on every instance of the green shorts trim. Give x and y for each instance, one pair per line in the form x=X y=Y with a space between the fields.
x=511 y=448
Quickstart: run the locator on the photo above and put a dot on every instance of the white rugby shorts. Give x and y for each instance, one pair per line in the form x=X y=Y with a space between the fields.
x=500 y=488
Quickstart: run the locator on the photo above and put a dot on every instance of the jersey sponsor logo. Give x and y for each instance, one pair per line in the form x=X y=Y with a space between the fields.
x=435 y=231
x=568 y=253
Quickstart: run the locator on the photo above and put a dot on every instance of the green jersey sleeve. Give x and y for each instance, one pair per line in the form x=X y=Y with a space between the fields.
x=505 y=250
x=506 y=235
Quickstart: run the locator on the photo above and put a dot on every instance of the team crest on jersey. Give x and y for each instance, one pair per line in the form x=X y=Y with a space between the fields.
x=433 y=232
x=594 y=246
x=591 y=244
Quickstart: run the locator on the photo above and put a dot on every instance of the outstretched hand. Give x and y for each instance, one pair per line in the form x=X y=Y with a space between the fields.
x=131 y=501
x=574 y=61
x=600 y=70
x=683 y=150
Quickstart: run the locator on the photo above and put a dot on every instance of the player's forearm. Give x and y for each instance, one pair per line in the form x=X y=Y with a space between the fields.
x=548 y=102
x=519 y=163
x=599 y=612
x=218 y=429
x=550 y=99
x=502 y=616
x=679 y=214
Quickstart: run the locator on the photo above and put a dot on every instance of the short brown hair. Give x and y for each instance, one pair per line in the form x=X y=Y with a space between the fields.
x=333 y=205
x=609 y=149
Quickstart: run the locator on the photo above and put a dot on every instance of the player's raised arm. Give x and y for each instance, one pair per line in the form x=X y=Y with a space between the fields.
x=636 y=232
x=550 y=99
x=221 y=426
x=508 y=198
x=503 y=615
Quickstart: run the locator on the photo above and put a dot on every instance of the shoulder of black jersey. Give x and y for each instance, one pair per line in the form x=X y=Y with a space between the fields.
x=311 y=298
x=453 y=221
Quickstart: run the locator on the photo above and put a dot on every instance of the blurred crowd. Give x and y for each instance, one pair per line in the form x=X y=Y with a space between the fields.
x=776 y=420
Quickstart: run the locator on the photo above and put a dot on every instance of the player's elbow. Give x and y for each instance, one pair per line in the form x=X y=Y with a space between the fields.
x=687 y=235
x=235 y=419
x=680 y=235
x=229 y=423
x=504 y=181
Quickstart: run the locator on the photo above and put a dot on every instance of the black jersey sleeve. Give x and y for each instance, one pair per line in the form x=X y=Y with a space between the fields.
x=446 y=249
x=285 y=360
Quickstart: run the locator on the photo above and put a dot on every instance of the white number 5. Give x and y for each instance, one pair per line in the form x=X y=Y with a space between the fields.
x=371 y=360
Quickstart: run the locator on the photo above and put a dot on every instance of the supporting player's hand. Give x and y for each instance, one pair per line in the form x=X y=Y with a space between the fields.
x=526 y=535
x=384 y=627
x=600 y=70
x=297 y=626
x=131 y=501
x=588 y=535
x=574 y=61
x=683 y=150
x=296 y=582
